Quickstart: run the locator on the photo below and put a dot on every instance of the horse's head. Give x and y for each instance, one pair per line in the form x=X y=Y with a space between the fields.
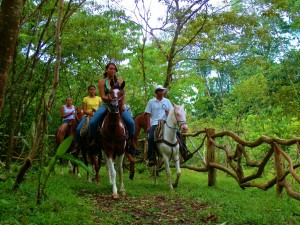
x=78 y=114
x=116 y=95
x=180 y=116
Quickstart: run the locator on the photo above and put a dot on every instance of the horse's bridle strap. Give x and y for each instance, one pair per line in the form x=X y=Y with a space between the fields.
x=169 y=143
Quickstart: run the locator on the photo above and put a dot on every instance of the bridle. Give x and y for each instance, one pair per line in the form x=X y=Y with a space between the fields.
x=180 y=123
x=114 y=103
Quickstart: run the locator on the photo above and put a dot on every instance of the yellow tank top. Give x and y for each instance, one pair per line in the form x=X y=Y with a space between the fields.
x=92 y=103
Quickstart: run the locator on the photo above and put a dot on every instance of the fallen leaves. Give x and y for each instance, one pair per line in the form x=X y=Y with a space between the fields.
x=150 y=209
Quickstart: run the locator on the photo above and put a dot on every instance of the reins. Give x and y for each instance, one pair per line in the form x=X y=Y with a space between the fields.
x=179 y=123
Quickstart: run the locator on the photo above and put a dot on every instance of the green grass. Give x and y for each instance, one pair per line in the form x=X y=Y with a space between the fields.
x=72 y=200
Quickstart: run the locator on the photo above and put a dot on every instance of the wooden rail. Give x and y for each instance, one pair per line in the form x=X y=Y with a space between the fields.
x=239 y=157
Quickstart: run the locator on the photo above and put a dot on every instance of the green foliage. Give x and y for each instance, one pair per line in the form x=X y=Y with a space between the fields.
x=59 y=206
x=71 y=200
x=61 y=154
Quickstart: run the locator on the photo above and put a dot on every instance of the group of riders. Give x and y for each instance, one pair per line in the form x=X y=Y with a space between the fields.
x=95 y=108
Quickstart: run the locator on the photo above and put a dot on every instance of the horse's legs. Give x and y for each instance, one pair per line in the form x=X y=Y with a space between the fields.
x=178 y=171
x=94 y=162
x=132 y=163
x=168 y=171
x=75 y=150
x=112 y=177
x=85 y=160
x=119 y=161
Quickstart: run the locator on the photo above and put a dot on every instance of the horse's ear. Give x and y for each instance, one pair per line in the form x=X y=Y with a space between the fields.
x=122 y=85
x=174 y=105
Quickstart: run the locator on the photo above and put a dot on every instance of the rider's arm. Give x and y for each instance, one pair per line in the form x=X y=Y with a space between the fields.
x=102 y=90
x=84 y=108
x=63 y=114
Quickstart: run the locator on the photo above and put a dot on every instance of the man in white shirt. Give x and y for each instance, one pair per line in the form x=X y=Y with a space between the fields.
x=158 y=108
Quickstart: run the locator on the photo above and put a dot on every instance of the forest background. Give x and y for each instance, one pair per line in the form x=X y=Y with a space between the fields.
x=234 y=65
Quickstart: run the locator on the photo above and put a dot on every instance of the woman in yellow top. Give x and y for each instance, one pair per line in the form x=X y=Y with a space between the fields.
x=90 y=104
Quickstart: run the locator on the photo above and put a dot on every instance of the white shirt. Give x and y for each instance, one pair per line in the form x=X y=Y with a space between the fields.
x=157 y=109
x=66 y=111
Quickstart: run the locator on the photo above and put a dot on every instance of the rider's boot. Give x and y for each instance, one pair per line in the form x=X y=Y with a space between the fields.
x=130 y=149
x=185 y=153
x=151 y=158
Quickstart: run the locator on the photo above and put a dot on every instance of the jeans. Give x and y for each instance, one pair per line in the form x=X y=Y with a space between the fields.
x=77 y=132
x=151 y=143
x=98 y=118
x=66 y=121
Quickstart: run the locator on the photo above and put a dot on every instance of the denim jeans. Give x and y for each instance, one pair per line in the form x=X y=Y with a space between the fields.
x=98 y=118
x=77 y=132
x=151 y=143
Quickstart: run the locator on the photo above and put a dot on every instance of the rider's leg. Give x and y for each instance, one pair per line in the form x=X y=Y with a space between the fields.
x=129 y=122
x=78 y=128
x=186 y=154
x=63 y=128
x=96 y=119
x=151 y=147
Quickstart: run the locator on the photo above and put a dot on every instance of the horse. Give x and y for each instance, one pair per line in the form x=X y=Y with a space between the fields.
x=88 y=151
x=168 y=145
x=114 y=135
x=140 y=123
x=61 y=135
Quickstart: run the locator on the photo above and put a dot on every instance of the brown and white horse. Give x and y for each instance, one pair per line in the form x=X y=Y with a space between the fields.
x=113 y=136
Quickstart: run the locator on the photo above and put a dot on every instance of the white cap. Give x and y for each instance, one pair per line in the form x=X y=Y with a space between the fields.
x=159 y=87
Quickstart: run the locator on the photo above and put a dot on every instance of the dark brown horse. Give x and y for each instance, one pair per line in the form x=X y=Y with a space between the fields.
x=140 y=123
x=113 y=137
x=89 y=152
x=61 y=135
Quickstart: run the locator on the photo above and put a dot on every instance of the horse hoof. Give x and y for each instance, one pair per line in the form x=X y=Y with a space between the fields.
x=123 y=193
x=115 y=196
x=131 y=176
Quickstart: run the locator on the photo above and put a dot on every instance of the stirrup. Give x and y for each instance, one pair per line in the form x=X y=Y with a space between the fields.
x=151 y=163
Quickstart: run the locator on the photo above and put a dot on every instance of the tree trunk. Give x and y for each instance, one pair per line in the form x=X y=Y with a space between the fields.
x=10 y=15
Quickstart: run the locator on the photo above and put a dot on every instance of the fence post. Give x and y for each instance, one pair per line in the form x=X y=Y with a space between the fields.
x=279 y=169
x=210 y=157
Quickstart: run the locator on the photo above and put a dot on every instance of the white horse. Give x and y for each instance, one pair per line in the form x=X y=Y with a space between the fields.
x=169 y=146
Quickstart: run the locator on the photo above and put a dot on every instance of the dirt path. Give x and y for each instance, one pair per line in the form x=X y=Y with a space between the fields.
x=149 y=210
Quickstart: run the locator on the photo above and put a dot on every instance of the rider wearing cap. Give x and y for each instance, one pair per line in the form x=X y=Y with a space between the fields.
x=158 y=108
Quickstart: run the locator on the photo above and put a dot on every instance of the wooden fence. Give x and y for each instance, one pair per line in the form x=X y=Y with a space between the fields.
x=237 y=156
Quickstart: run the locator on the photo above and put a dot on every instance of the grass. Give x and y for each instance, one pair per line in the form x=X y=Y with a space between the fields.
x=72 y=200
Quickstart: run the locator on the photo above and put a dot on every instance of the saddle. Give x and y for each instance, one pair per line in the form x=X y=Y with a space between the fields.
x=65 y=132
x=85 y=127
x=159 y=134
x=159 y=131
